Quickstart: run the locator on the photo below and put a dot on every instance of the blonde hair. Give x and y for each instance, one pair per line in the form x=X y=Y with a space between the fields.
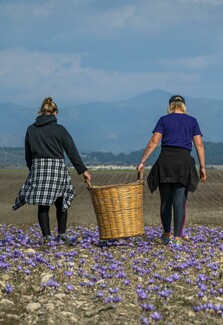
x=176 y=106
x=48 y=106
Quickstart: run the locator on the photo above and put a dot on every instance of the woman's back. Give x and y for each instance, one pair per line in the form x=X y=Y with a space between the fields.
x=46 y=137
x=178 y=130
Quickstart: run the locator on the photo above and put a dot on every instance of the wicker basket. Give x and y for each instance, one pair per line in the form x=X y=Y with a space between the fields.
x=119 y=209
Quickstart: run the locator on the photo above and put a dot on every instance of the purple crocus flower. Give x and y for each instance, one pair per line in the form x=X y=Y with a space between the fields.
x=8 y=288
x=68 y=273
x=141 y=294
x=202 y=287
x=82 y=260
x=27 y=272
x=99 y=294
x=103 y=285
x=113 y=290
x=116 y=299
x=147 y=307
x=165 y=293
x=51 y=283
x=127 y=282
x=108 y=300
x=175 y=276
x=200 y=294
x=202 y=277
x=4 y=265
x=209 y=306
x=51 y=267
x=144 y=321
x=70 y=287
x=90 y=283
x=217 y=308
x=156 y=316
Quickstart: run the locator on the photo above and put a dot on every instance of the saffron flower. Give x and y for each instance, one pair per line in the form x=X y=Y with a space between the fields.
x=8 y=288
x=156 y=316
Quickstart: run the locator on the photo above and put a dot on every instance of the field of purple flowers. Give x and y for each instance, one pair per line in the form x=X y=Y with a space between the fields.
x=128 y=281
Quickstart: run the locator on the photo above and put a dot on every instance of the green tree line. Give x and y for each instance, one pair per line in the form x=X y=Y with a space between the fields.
x=14 y=157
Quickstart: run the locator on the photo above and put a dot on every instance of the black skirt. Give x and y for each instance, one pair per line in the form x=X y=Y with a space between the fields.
x=174 y=165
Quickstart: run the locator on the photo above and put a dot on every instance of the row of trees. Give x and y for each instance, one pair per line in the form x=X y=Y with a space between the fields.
x=14 y=157
x=214 y=156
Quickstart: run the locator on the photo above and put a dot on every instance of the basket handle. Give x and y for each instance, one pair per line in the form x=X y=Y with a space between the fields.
x=140 y=175
x=88 y=182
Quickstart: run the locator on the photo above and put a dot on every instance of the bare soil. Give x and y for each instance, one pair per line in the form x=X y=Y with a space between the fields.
x=204 y=206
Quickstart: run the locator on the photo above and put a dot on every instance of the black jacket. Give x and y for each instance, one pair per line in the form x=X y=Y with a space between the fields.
x=174 y=165
x=47 y=139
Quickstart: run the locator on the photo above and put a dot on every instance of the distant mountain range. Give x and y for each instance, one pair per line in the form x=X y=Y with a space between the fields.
x=122 y=126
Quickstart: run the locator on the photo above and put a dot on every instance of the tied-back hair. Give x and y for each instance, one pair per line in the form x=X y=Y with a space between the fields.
x=176 y=106
x=48 y=107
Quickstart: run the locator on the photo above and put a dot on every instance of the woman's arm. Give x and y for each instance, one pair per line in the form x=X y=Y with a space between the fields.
x=28 y=152
x=74 y=156
x=199 y=146
x=151 y=146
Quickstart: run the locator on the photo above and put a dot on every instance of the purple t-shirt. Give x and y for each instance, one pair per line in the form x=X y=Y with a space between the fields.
x=177 y=130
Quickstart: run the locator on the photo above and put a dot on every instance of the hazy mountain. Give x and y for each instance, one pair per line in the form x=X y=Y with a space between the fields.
x=13 y=123
x=121 y=126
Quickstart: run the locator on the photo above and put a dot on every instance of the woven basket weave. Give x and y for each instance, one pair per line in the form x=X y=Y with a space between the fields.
x=118 y=209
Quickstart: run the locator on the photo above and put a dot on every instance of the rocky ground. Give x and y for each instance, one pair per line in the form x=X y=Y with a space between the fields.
x=127 y=281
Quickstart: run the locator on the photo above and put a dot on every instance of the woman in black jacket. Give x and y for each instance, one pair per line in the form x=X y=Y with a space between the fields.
x=49 y=181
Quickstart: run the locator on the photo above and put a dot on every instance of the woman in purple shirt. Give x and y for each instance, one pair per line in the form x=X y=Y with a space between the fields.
x=174 y=173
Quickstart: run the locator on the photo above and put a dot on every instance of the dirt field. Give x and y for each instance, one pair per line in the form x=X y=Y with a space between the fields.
x=131 y=281
x=204 y=206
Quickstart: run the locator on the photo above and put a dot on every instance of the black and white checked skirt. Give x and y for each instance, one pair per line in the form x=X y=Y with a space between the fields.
x=47 y=180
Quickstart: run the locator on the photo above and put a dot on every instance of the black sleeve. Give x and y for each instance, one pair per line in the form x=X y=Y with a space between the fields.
x=72 y=152
x=28 y=153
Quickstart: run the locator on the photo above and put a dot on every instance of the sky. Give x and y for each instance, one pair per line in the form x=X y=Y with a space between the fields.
x=79 y=51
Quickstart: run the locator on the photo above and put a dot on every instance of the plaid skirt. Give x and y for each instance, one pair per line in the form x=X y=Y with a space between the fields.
x=47 y=180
